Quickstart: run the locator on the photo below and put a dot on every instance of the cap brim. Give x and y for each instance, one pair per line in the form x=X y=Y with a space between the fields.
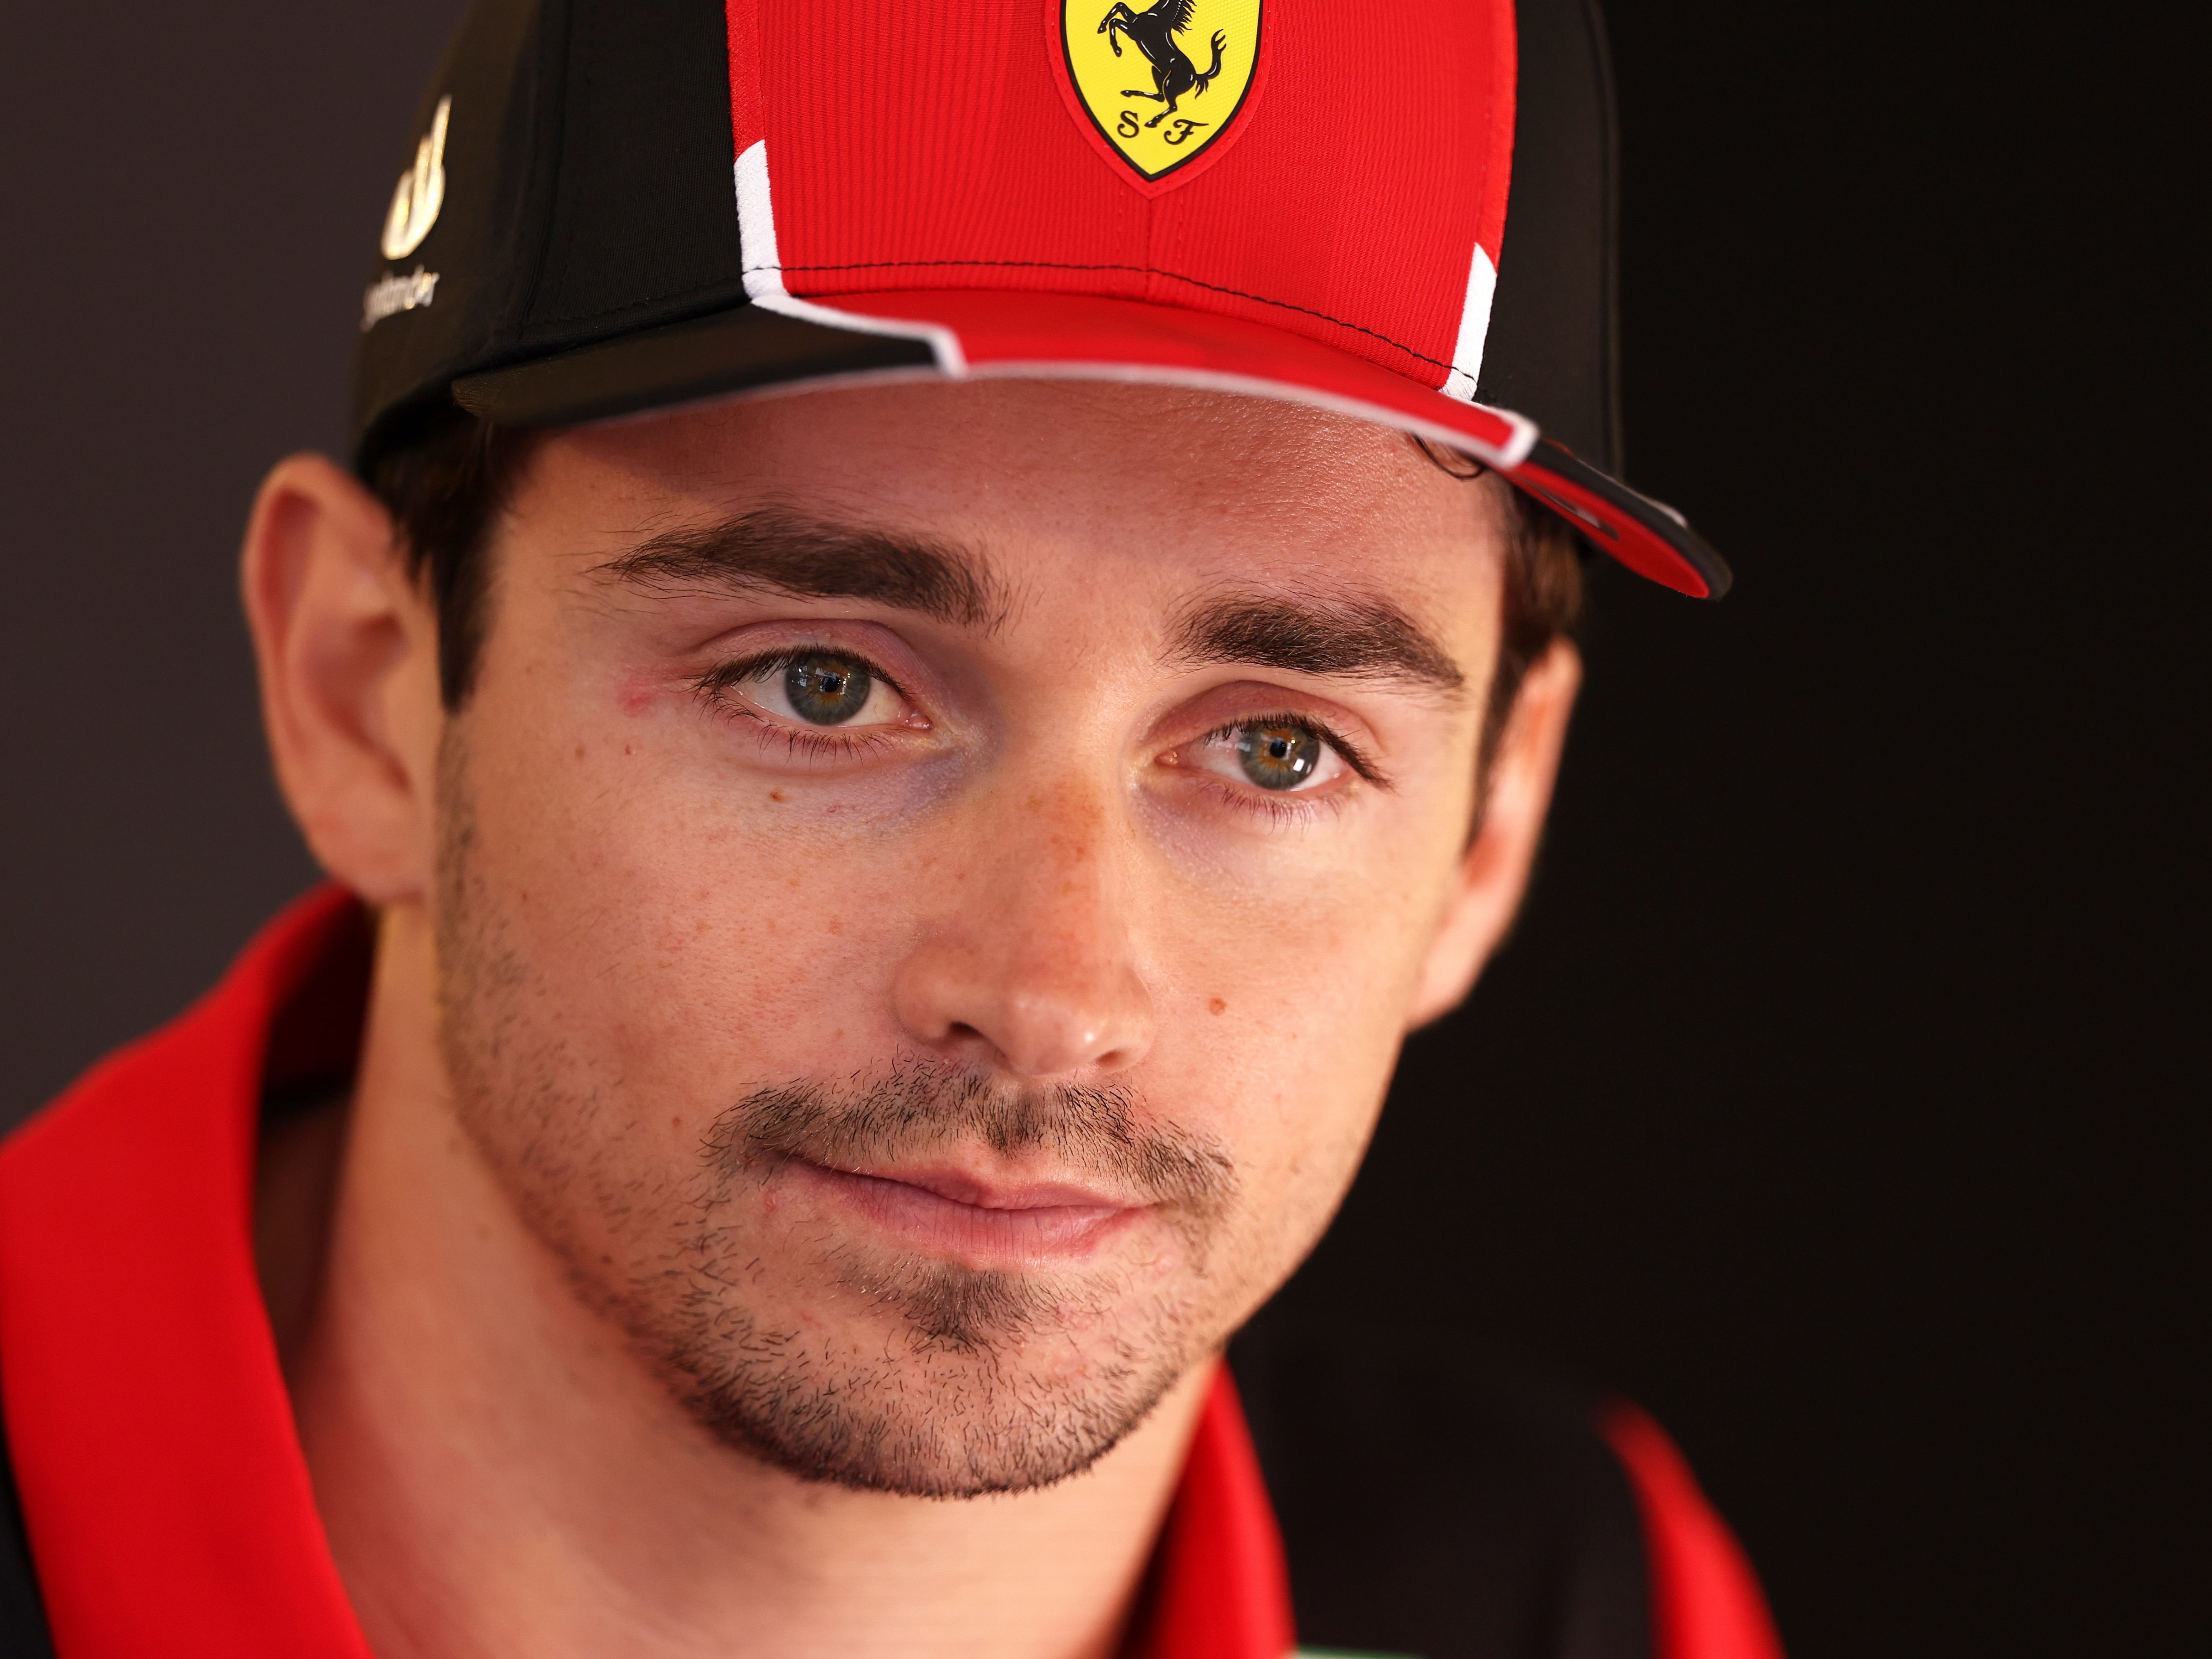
x=971 y=334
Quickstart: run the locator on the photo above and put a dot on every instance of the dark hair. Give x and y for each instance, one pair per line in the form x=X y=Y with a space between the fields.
x=446 y=480
x=1542 y=601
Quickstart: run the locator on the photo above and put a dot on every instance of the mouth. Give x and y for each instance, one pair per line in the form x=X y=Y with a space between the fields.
x=944 y=1211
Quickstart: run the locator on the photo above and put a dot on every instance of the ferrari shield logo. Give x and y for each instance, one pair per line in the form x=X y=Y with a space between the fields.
x=1161 y=83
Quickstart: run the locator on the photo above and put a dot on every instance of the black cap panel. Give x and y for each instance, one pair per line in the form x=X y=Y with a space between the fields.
x=1553 y=351
x=647 y=210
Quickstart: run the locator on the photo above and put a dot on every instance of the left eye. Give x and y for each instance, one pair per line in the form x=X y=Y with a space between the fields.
x=1275 y=755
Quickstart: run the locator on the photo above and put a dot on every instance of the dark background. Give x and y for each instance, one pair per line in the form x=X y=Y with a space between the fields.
x=1830 y=1099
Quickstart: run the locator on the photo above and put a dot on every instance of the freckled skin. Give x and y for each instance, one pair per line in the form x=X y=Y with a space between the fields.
x=1027 y=889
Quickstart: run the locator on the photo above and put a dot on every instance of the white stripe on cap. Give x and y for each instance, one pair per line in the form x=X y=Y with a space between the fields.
x=1473 y=328
x=763 y=272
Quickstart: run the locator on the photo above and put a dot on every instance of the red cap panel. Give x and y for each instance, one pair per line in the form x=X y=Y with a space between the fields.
x=1354 y=189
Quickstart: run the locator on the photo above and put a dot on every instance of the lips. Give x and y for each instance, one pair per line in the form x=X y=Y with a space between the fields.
x=945 y=1212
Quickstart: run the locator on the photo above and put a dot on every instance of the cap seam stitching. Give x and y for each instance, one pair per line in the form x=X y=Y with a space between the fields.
x=1141 y=270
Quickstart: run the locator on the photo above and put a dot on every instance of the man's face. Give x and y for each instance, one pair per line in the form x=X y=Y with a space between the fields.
x=933 y=880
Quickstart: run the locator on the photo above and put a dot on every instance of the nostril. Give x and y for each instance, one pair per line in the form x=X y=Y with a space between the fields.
x=998 y=1004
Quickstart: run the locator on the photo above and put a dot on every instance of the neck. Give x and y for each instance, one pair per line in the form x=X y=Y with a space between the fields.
x=498 y=1472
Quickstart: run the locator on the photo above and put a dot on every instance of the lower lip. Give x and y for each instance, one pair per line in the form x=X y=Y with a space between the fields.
x=971 y=1232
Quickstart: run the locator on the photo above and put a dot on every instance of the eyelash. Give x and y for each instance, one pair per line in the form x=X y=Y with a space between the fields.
x=713 y=686
x=1354 y=757
x=1293 y=808
x=815 y=743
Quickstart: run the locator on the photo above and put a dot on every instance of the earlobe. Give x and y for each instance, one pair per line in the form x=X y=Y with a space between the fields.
x=347 y=652
x=1493 y=876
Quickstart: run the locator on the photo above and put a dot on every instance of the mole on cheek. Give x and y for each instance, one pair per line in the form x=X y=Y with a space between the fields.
x=1216 y=1005
x=777 y=794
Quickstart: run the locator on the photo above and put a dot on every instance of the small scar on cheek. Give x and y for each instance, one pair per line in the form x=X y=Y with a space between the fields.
x=1216 y=1005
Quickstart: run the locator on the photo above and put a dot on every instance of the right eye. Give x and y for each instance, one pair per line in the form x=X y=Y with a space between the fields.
x=816 y=687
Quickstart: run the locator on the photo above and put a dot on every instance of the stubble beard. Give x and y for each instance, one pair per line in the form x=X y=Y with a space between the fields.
x=955 y=1381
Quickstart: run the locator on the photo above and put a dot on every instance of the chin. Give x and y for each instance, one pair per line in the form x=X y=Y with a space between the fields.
x=930 y=1380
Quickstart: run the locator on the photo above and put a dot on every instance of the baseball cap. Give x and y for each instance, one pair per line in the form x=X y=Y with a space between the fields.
x=1403 y=213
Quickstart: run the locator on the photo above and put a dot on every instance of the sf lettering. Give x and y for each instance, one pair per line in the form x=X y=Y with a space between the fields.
x=1178 y=132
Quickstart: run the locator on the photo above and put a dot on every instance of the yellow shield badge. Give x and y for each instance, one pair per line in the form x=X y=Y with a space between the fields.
x=1162 y=83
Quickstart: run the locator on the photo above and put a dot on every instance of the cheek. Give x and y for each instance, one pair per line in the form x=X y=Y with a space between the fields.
x=1287 y=1020
x=691 y=940
x=1311 y=954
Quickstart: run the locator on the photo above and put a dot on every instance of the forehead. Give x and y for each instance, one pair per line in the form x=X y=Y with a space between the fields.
x=1178 y=486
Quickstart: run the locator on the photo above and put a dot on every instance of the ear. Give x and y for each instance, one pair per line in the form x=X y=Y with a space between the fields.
x=1494 y=874
x=347 y=649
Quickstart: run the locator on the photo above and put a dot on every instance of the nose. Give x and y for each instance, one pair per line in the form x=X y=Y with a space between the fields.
x=1032 y=971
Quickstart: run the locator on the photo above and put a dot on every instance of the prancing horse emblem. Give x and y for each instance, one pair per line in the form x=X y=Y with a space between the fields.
x=1154 y=30
x=1205 y=58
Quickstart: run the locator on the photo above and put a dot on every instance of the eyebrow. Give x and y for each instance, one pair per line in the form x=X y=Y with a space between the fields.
x=778 y=551
x=1361 y=636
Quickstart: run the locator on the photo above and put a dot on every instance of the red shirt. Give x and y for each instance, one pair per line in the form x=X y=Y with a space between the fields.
x=164 y=1492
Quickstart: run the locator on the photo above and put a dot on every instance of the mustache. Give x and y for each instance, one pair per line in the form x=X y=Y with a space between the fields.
x=909 y=1109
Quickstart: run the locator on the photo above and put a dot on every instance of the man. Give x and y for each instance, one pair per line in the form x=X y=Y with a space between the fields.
x=897 y=762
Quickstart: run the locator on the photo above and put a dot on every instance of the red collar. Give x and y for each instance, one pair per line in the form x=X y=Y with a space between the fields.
x=167 y=1503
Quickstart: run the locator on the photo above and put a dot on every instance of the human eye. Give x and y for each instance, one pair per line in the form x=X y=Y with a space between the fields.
x=810 y=688
x=1280 y=755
